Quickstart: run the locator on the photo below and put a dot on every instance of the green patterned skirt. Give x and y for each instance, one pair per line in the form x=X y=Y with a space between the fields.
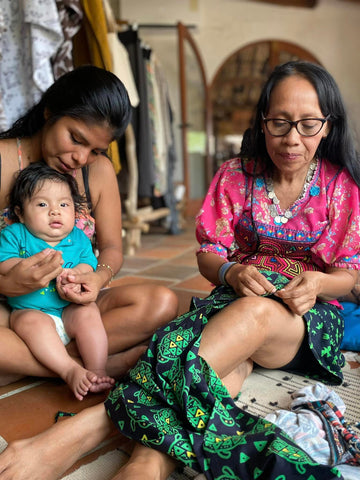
x=173 y=401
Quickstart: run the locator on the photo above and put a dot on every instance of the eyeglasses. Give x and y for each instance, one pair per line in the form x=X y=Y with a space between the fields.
x=306 y=127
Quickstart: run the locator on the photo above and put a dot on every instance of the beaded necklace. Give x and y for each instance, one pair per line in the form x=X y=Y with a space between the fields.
x=274 y=209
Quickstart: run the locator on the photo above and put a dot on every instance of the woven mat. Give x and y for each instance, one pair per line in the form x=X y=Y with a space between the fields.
x=268 y=390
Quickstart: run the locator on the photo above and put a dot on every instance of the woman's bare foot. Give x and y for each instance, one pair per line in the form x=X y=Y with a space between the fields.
x=32 y=463
x=146 y=462
x=48 y=455
x=79 y=380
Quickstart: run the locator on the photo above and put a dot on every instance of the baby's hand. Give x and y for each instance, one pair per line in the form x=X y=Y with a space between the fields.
x=62 y=284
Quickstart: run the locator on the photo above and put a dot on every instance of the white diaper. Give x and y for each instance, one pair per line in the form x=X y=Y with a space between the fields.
x=59 y=324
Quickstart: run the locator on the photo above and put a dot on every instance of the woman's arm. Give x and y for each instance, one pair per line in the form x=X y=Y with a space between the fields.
x=31 y=273
x=105 y=197
x=7 y=265
x=104 y=191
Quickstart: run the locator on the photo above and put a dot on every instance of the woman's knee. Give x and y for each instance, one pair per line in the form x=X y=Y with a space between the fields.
x=165 y=301
x=257 y=310
x=158 y=304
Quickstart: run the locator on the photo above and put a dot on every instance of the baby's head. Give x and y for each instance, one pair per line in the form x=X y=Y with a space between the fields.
x=46 y=201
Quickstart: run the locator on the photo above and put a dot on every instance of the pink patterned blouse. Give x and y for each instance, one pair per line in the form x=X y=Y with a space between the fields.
x=324 y=230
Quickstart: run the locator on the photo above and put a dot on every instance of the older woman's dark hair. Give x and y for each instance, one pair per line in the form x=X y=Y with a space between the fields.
x=338 y=147
x=32 y=178
x=87 y=93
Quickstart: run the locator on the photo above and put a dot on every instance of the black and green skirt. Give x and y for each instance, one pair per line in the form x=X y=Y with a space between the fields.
x=173 y=400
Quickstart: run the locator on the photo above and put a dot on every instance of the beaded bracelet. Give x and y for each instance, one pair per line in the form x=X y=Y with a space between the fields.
x=105 y=265
x=223 y=270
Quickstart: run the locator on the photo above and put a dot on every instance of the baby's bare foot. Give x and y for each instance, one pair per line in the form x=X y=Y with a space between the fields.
x=102 y=384
x=79 y=380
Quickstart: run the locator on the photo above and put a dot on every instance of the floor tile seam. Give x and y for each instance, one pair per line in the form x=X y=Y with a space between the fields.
x=176 y=280
x=192 y=290
x=155 y=265
x=164 y=260
x=21 y=389
x=135 y=271
x=148 y=277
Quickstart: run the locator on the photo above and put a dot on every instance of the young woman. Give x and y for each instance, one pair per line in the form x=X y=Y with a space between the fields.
x=71 y=129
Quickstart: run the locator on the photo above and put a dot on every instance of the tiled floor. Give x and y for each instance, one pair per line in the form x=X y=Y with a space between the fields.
x=167 y=260
x=29 y=406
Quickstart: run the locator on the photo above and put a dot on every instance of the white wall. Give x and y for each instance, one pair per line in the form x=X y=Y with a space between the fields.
x=329 y=31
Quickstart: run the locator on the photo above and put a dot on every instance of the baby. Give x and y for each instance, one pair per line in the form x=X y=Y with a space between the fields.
x=44 y=202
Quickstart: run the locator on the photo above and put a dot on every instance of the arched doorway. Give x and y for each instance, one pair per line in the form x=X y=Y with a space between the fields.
x=236 y=87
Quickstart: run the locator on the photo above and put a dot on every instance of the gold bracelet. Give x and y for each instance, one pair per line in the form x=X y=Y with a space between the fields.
x=105 y=265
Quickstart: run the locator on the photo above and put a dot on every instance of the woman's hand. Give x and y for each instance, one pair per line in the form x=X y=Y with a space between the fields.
x=301 y=293
x=247 y=281
x=31 y=273
x=81 y=288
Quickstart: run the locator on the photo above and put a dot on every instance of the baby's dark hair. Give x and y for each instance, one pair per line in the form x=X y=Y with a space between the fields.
x=31 y=178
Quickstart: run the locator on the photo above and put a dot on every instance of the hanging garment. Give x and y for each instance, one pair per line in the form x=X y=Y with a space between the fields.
x=122 y=67
x=140 y=117
x=119 y=56
x=70 y=14
x=32 y=36
x=90 y=45
x=158 y=132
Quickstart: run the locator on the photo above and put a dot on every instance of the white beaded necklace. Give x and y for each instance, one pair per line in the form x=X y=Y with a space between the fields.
x=274 y=209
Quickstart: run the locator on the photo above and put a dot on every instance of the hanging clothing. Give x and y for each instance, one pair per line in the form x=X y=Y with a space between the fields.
x=119 y=56
x=90 y=45
x=157 y=127
x=122 y=67
x=32 y=36
x=70 y=14
x=140 y=118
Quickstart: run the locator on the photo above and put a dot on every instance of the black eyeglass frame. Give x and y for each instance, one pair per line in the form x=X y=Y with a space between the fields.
x=295 y=124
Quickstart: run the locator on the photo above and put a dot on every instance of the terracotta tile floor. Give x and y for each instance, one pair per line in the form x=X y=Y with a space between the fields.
x=167 y=260
x=29 y=406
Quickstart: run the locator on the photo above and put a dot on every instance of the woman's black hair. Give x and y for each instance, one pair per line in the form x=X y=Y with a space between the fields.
x=32 y=178
x=87 y=93
x=338 y=147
